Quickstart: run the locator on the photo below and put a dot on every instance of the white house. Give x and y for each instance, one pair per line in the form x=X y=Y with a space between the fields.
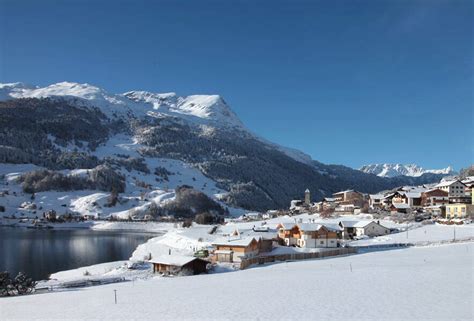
x=352 y=229
x=376 y=201
x=455 y=188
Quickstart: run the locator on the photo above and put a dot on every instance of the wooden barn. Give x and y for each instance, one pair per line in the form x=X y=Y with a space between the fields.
x=174 y=264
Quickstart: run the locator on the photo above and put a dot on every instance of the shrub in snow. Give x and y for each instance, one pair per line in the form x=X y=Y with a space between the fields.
x=208 y=218
x=163 y=173
x=190 y=202
x=153 y=211
x=129 y=163
x=106 y=179
x=45 y=180
x=19 y=285
x=113 y=199
x=187 y=223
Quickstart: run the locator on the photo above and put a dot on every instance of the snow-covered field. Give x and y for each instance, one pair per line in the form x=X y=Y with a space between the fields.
x=423 y=234
x=425 y=283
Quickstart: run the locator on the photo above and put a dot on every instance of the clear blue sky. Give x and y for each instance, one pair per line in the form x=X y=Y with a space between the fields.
x=348 y=82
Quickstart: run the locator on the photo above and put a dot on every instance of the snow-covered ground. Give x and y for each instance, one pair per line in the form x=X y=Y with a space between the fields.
x=426 y=283
x=423 y=234
x=136 y=198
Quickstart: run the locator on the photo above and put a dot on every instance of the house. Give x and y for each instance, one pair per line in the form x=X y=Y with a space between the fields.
x=434 y=197
x=327 y=203
x=345 y=208
x=174 y=264
x=455 y=188
x=233 y=250
x=288 y=233
x=413 y=199
x=307 y=235
x=353 y=229
x=376 y=201
x=315 y=235
x=348 y=197
x=296 y=206
x=349 y=201
x=459 y=210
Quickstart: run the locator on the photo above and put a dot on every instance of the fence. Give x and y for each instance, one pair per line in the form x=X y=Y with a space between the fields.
x=295 y=256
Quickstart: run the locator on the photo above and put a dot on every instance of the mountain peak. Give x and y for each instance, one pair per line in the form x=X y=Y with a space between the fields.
x=199 y=109
x=392 y=170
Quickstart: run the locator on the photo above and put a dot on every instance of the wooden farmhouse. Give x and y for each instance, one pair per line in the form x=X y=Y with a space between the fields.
x=174 y=264
x=233 y=250
x=353 y=229
x=307 y=235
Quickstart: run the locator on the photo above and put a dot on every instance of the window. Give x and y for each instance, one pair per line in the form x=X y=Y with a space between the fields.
x=321 y=242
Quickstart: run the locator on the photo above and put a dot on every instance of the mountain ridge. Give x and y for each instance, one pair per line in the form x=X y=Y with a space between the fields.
x=61 y=126
x=412 y=170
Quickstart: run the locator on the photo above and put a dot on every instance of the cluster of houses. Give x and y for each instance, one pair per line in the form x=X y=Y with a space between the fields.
x=236 y=248
x=349 y=201
x=451 y=199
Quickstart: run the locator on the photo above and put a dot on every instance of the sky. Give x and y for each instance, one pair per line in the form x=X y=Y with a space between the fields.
x=347 y=82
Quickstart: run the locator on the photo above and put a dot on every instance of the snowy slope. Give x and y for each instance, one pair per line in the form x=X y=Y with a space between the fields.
x=198 y=109
x=403 y=284
x=392 y=170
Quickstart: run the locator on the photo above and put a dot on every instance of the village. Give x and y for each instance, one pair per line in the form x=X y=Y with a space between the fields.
x=449 y=202
x=346 y=224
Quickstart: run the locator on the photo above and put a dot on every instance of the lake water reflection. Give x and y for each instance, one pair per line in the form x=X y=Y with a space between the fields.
x=42 y=252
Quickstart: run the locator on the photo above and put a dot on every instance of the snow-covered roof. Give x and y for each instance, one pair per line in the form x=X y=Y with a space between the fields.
x=359 y=224
x=410 y=194
x=389 y=195
x=252 y=214
x=333 y=227
x=448 y=183
x=176 y=260
x=341 y=192
x=376 y=196
x=329 y=199
x=307 y=190
x=287 y=226
x=234 y=242
x=309 y=227
x=355 y=223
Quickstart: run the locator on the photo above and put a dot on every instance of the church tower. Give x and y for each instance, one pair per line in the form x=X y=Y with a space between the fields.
x=307 y=197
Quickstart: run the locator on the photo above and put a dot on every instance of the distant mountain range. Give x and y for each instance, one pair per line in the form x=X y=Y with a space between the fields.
x=412 y=170
x=71 y=126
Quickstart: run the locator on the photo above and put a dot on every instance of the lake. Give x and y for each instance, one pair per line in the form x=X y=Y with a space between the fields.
x=39 y=253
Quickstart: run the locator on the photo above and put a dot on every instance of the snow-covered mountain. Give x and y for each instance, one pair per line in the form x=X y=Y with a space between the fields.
x=151 y=143
x=201 y=109
x=412 y=170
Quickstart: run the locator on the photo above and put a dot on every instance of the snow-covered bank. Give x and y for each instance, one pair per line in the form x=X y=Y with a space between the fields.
x=406 y=284
x=149 y=227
